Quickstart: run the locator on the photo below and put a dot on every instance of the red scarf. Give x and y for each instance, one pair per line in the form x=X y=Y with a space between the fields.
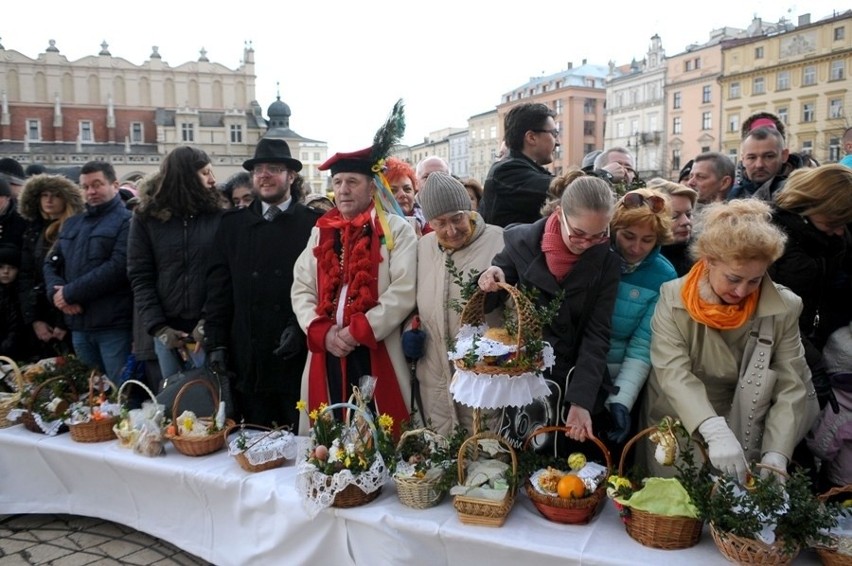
x=560 y=260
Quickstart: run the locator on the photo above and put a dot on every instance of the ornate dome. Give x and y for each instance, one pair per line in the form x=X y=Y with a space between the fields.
x=278 y=109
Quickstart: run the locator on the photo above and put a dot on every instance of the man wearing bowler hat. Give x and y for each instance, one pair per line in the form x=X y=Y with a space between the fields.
x=249 y=323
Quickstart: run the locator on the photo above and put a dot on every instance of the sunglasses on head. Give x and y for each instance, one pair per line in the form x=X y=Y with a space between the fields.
x=635 y=200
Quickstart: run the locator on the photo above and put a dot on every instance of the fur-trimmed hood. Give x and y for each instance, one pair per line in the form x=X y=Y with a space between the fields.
x=28 y=202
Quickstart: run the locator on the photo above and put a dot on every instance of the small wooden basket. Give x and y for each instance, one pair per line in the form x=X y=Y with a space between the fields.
x=829 y=554
x=94 y=430
x=420 y=493
x=9 y=401
x=484 y=512
x=528 y=325
x=659 y=531
x=126 y=438
x=569 y=511
x=197 y=445
x=243 y=460
x=28 y=418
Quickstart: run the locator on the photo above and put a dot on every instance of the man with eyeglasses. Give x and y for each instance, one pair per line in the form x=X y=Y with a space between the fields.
x=249 y=322
x=516 y=187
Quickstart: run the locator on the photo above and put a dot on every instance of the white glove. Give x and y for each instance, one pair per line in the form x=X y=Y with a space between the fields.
x=778 y=462
x=726 y=454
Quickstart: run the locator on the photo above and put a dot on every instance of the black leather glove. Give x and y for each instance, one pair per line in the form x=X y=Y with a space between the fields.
x=620 y=423
x=824 y=392
x=217 y=360
x=291 y=343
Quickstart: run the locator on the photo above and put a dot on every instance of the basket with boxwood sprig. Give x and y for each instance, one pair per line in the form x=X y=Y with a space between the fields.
x=426 y=465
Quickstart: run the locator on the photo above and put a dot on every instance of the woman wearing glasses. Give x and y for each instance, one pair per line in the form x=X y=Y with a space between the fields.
x=726 y=353
x=567 y=252
x=642 y=222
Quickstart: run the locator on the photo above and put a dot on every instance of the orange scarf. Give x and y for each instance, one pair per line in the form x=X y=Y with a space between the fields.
x=718 y=316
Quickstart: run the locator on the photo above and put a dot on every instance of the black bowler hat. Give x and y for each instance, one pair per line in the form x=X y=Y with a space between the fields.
x=270 y=150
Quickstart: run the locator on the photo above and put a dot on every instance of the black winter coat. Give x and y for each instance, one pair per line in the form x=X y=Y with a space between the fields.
x=12 y=225
x=34 y=304
x=515 y=190
x=248 y=302
x=581 y=331
x=167 y=263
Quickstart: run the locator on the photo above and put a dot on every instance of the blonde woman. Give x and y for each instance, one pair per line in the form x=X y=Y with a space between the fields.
x=704 y=339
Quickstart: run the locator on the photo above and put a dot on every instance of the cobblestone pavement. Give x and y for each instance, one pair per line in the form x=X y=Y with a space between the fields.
x=70 y=540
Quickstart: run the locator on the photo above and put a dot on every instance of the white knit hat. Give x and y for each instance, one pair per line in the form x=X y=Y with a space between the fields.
x=837 y=353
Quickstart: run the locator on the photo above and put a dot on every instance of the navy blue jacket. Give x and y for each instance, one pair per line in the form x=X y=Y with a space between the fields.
x=90 y=262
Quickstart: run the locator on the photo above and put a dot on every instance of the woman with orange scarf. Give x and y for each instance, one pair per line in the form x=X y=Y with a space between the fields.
x=726 y=353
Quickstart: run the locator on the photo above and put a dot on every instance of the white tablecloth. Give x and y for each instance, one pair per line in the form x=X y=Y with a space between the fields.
x=212 y=508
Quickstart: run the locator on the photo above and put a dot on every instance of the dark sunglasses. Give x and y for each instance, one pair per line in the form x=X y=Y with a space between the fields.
x=635 y=200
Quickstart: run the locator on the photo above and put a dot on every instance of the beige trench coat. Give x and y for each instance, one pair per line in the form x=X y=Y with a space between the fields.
x=435 y=289
x=397 y=282
x=696 y=369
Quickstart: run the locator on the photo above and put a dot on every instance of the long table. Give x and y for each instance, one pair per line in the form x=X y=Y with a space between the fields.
x=212 y=508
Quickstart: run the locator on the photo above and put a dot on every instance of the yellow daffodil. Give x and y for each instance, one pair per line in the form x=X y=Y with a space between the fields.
x=386 y=422
x=313 y=415
x=300 y=405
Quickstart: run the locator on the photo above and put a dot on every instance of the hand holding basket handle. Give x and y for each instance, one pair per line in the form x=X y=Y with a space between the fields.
x=490 y=279
x=724 y=449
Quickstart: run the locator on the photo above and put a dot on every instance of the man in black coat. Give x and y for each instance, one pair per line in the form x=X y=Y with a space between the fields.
x=249 y=318
x=516 y=187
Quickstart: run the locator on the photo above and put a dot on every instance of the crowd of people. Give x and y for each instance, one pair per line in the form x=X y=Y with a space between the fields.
x=722 y=298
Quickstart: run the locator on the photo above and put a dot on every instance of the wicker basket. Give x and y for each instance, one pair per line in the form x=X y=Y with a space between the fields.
x=741 y=550
x=659 y=531
x=483 y=512
x=197 y=445
x=243 y=460
x=420 y=493
x=94 y=430
x=570 y=511
x=528 y=325
x=829 y=554
x=9 y=401
x=69 y=397
x=126 y=438
x=353 y=496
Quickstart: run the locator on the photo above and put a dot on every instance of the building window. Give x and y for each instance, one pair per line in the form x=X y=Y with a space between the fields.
x=758 y=52
x=834 y=149
x=677 y=125
x=493 y=132
x=675 y=160
x=705 y=94
x=676 y=100
x=316 y=156
x=782 y=115
x=588 y=128
x=588 y=148
x=86 y=134
x=589 y=106
x=809 y=75
x=759 y=85
x=473 y=135
x=558 y=106
x=34 y=130
x=837 y=70
x=835 y=108
x=137 y=134
x=187 y=132
x=808 y=112
x=782 y=81
x=839 y=33
x=304 y=156
x=634 y=127
x=734 y=123
x=619 y=129
x=807 y=147
x=236 y=133
x=706 y=120
x=705 y=148
x=734 y=90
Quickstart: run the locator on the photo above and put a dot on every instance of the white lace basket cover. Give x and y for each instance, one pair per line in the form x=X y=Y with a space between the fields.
x=495 y=391
x=317 y=489
x=265 y=446
x=50 y=428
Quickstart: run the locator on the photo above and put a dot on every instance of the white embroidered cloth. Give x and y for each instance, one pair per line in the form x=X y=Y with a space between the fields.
x=264 y=446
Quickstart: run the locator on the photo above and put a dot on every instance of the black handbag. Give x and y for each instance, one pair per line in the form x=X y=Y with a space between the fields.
x=197 y=399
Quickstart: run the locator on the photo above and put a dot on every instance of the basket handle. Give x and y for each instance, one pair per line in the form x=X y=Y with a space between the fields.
x=476 y=301
x=103 y=378
x=41 y=386
x=186 y=386
x=834 y=491
x=368 y=418
x=642 y=433
x=19 y=376
x=229 y=429
x=140 y=384
x=483 y=436
x=427 y=433
x=545 y=429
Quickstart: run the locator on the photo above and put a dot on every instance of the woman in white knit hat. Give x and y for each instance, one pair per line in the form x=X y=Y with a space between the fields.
x=462 y=237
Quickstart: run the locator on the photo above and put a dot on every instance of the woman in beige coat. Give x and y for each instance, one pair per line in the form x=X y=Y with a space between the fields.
x=462 y=237
x=749 y=399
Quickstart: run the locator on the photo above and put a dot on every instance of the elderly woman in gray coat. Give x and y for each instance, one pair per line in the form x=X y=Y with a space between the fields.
x=752 y=400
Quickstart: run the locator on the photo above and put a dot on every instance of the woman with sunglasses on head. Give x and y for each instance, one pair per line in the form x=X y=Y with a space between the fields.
x=727 y=359
x=567 y=252
x=642 y=222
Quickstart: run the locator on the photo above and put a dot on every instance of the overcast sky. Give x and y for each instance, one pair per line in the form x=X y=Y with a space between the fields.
x=341 y=65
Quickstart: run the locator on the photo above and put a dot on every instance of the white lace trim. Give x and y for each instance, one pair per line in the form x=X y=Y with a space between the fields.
x=318 y=490
x=265 y=446
x=50 y=428
x=498 y=390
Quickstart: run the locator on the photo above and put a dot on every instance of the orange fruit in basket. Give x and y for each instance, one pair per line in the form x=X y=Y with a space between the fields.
x=570 y=487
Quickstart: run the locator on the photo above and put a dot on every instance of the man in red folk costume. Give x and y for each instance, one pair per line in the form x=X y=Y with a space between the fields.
x=354 y=284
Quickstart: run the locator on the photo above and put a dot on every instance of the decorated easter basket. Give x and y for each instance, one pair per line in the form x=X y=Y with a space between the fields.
x=481 y=511
x=33 y=421
x=98 y=428
x=198 y=445
x=578 y=511
x=417 y=492
x=151 y=441
x=266 y=450
x=829 y=554
x=9 y=401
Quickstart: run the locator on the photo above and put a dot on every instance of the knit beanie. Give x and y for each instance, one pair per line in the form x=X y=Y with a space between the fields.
x=442 y=193
x=10 y=255
x=837 y=353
